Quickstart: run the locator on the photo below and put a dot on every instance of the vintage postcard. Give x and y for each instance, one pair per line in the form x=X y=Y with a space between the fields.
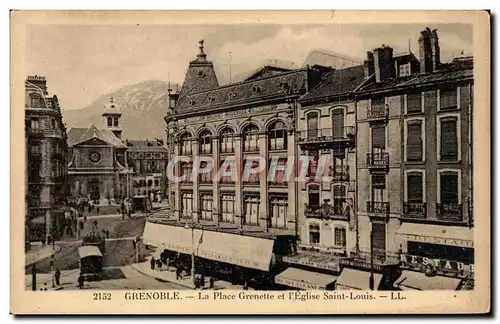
x=250 y=162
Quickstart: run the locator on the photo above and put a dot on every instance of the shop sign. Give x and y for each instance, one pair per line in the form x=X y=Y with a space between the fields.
x=361 y=264
x=437 y=264
x=439 y=240
x=297 y=284
x=334 y=266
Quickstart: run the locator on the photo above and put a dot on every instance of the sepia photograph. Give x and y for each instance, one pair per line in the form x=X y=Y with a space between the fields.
x=273 y=161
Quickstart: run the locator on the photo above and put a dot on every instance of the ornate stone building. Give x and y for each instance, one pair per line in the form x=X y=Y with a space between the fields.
x=46 y=162
x=97 y=159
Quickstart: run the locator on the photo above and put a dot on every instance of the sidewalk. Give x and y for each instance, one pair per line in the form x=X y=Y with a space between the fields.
x=39 y=253
x=170 y=276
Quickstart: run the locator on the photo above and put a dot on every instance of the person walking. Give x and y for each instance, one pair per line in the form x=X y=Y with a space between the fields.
x=97 y=209
x=245 y=286
x=57 y=276
x=158 y=264
x=178 y=273
x=153 y=262
x=81 y=280
x=211 y=282
x=167 y=263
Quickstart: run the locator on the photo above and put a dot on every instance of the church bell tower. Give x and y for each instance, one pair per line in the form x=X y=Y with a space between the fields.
x=111 y=118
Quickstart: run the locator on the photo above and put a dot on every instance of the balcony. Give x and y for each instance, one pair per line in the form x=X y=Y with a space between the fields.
x=205 y=180
x=325 y=212
x=339 y=173
x=377 y=113
x=415 y=210
x=377 y=161
x=251 y=182
x=378 y=209
x=278 y=183
x=326 y=137
x=449 y=212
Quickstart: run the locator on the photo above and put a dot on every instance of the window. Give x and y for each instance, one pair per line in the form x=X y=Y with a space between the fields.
x=35 y=100
x=313 y=195
x=278 y=209
x=414 y=103
x=449 y=187
x=227 y=208
x=205 y=177
x=312 y=125
x=378 y=181
x=115 y=121
x=378 y=139
x=280 y=172
x=251 y=139
x=35 y=123
x=277 y=136
x=186 y=170
x=340 y=236
x=185 y=145
x=53 y=123
x=157 y=183
x=205 y=142
x=378 y=108
x=338 y=123
x=448 y=98
x=226 y=141
x=227 y=178
x=314 y=234
x=110 y=121
x=35 y=149
x=404 y=70
x=414 y=144
x=187 y=204
x=138 y=166
x=449 y=140
x=206 y=206
x=252 y=178
x=251 y=208
x=339 y=199
x=415 y=188
x=313 y=165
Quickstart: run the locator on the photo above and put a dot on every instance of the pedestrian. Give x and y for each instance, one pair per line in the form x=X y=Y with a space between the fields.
x=107 y=233
x=202 y=281
x=81 y=280
x=178 y=273
x=57 y=276
x=97 y=209
x=122 y=208
x=158 y=264
x=84 y=218
x=153 y=262
x=212 y=281
x=167 y=263
x=95 y=223
x=245 y=286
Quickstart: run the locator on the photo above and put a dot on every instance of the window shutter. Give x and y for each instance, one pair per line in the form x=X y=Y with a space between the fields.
x=415 y=190
x=449 y=188
x=414 y=141
x=449 y=141
x=414 y=103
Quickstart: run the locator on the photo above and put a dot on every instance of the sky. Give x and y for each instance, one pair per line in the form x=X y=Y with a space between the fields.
x=82 y=62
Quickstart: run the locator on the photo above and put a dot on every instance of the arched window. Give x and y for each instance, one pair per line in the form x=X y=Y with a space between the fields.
x=251 y=138
x=226 y=140
x=277 y=136
x=185 y=144
x=116 y=121
x=110 y=121
x=205 y=142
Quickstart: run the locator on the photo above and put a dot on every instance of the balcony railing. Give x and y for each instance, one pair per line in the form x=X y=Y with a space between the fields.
x=339 y=173
x=415 y=210
x=377 y=207
x=378 y=112
x=207 y=179
x=251 y=182
x=326 y=135
x=377 y=160
x=278 y=183
x=449 y=212
x=325 y=211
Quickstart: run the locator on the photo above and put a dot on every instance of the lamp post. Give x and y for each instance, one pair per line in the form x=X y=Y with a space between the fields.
x=193 y=271
x=372 y=279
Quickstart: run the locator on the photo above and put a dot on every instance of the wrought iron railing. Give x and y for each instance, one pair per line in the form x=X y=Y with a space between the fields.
x=326 y=134
x=378 y=111
x=449 y=212
x=339 y=173
x=377 y=160
x=377 y=207
x=415 y=210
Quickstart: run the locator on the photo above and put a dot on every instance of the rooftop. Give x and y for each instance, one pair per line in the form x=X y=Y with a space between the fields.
x=145 y=145
x=78 y=135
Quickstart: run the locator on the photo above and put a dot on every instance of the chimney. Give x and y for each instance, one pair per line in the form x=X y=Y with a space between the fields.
x=368 y=65
x=383 y=63
x=436 y=51
x=425 y=49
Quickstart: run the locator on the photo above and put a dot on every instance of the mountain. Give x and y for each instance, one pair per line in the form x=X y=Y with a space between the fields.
x=143 y=106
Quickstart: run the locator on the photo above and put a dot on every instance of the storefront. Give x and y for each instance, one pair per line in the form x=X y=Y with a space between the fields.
x=305 y=280
x=230 y=255
x=435 y=257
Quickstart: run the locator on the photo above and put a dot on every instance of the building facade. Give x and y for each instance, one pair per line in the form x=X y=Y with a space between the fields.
x=98 y=167
x=414 y=159
x=148 y=160
x=46 y=162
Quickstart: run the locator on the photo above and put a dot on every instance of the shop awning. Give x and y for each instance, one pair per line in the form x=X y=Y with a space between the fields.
x=316 y=260
x=245 y=251
x=356 y=279
x=303 y=279
x=437 y=234
x=89 y=250
x=412 y=280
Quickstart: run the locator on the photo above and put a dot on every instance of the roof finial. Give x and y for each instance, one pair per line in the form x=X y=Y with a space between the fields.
x=111 y=100
x=202 y=53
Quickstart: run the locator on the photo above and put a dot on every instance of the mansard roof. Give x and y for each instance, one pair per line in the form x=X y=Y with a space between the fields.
x=145 y=146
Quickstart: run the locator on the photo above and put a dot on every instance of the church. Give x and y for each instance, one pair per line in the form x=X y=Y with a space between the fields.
x=97 y=167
